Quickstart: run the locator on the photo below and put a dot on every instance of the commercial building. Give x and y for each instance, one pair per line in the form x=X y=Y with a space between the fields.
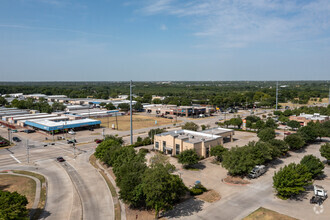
x=183 y=111
x=174 y=142
x=49 y=125
x=303 y=118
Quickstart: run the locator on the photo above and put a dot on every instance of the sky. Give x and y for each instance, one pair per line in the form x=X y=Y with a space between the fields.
x=164 y=40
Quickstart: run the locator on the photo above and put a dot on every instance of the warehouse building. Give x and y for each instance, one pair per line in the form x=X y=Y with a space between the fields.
x=183 y=111
x=174 y=142
x=49 y=126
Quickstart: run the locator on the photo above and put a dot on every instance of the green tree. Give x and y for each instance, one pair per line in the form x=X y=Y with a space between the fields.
x=270 y=123
x=218 y=152
x=313 y=164
x=161 y=189
x=152 y=132
x=309 y=132
x=295 y=141
x=260 y=124
x=325 y=151
x=266 y=134
x=283 y=119
x=106 y=147
x=190 y=126
x=115 y=138
x=238 y=161
x=291 y=180
x=281 y=145
x=57 y=106
x=188 y=158
x=236 y=122
x=124 y=107
x=293 y=124
x=129 y=180
x=110 y=106
x=13 y=206
x=157 y=101
x=138 y=106
x=3 y=101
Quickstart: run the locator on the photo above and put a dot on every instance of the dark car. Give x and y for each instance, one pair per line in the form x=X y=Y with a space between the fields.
x=71 y=141
x=16 y=139
x=60 y=159
x=91 y=129
x=2 y=143
x=29 y=131
x=98 y=141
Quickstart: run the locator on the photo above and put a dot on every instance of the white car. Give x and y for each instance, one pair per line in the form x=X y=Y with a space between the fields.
x=72 y=132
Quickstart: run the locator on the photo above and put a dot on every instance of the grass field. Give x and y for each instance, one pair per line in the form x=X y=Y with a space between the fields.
x=139 y=121
x=266 y=214
x=23 y=185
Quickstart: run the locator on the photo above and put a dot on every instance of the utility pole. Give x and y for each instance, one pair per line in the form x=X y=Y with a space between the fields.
x=276 y=94
x=27 y=151
x=329 y=96
x=116 y=121
x=130 y=110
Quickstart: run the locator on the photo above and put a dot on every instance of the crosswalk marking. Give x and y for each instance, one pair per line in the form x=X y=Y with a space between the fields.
x=15 y=158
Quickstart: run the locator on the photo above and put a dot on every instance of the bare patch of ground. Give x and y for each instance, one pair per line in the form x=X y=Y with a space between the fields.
x=235 y=180
x=266 y=214
x=139 y=121
x=209 y=196
x=23 y=185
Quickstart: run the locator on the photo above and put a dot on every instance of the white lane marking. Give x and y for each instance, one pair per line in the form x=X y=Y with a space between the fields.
x=15 y=158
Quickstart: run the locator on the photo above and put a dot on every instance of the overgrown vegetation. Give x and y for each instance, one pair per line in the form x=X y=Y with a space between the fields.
x=13 y=206
x=141 y=186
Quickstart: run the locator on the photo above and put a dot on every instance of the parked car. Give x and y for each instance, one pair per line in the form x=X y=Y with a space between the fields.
x=3 y=143
x=71 y=141
x=287 y=133
x=257 y=171
x=14 y=131
x=91 y=129
x=72 y=132
x=60 y=159
x=16 y=139
x=98 y=141
x=29 y=131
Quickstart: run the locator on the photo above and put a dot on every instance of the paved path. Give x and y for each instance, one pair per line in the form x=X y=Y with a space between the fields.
x=60 y=190
x=122 y=205
x=95 y=195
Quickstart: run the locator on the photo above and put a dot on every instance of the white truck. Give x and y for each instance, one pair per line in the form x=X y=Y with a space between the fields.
x=320 y=194
x=257 y=171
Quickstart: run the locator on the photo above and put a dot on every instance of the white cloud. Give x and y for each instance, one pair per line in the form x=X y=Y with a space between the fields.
x=163 y=27
x=245 y=22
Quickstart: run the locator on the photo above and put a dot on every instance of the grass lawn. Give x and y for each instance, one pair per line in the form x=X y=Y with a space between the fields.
x=139 y=121
x=23 y=185
x=266 y=214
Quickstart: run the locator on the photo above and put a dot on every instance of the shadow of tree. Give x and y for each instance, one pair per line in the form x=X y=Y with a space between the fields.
x=39 y=213
x=186 y=208
x=300 y=196
x=3 y=187
x=275 y=162
x=200 y=166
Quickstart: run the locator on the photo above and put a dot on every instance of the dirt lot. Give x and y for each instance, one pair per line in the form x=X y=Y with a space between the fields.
x=23 y=185
x=267 y=214
x=139 y=121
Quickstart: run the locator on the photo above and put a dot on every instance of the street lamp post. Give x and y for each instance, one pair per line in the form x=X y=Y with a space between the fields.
x=130 y=110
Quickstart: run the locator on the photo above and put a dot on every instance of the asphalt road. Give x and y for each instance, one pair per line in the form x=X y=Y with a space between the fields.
x=60 y=190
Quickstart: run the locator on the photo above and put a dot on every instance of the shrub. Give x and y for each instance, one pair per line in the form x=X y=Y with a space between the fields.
x=313 y=164
x=266 y=134
x=188 y=158
x=295 y=141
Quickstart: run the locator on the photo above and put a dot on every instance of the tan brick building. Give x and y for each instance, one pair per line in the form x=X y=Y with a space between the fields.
x=174 y=142
x=303 y=118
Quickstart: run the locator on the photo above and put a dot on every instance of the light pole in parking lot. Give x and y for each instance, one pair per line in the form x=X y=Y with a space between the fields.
x=27 y=151
x=130 y=109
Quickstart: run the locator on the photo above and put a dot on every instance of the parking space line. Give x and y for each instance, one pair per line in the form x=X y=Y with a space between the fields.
x=15 y=158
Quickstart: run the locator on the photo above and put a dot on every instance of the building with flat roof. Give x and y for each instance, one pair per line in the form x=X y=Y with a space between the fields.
x=183 y=111
x=174 y=142
x=48 y=125
x=303 y=118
